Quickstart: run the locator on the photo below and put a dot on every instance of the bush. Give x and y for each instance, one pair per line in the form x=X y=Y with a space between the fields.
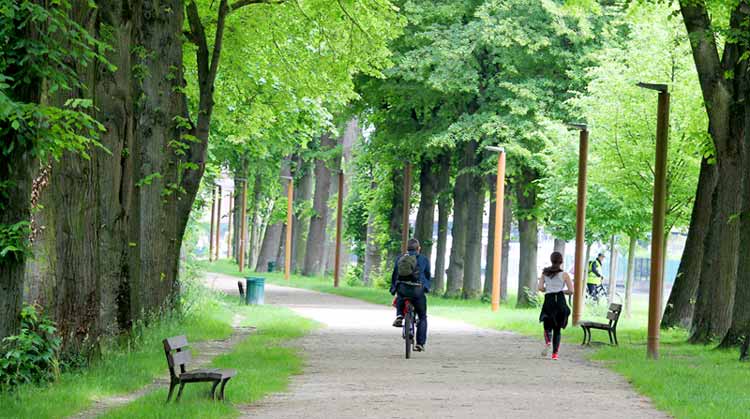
x=536 y=299
x=32 y=356
x=354 y=275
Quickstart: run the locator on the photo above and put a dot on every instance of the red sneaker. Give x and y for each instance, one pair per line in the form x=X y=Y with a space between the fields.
x=554 y=357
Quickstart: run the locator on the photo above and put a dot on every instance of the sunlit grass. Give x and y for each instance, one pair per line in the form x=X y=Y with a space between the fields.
x=263 y=365
x=688 y=381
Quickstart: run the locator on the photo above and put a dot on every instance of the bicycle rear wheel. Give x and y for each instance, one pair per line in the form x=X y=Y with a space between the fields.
x=408 y=335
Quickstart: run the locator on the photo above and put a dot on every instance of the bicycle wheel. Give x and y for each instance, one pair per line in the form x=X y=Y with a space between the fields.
x=408 y=335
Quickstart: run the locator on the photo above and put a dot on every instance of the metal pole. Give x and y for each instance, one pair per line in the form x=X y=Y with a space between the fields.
x=498 y=241
x=288 y=246
x=580 y=269
x=230 y=197
x=657 y=227
x=218 y=225
x=407 y=207
x=243 y=226
x=213 y=221
x=339 y=215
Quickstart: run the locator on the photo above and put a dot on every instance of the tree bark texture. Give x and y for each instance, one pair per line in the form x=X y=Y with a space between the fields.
x=681 y=302
x=316 y=237
x=373 y=255
x=629 y=278
x=490 y=256
x=529 y=235
x=461 y=192
x=507 y=224
x=472 y=286
x=559 y=246
x=301 y=222
x=444 y=210
x=428 y=189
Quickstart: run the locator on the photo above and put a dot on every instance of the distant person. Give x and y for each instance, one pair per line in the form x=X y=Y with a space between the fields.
x=554 y=283
x=411 y=279
x=595 y=277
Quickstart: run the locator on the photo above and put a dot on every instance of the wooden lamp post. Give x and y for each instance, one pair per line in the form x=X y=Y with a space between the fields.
x=580 y=267
x=497 y=255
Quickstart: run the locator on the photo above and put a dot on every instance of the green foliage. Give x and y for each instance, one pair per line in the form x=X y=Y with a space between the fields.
x=32 y=355
x=354 y=275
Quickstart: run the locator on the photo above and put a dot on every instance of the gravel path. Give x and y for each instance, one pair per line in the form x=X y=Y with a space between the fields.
x=355 y=368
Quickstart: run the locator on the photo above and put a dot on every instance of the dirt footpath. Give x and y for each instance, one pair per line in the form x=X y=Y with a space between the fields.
x=355 y=368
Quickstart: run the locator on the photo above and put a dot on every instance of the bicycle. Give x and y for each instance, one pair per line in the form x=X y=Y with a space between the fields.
x=408 y=332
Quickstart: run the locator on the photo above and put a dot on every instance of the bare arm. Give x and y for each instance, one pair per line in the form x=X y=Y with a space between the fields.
x=568 y=284
x=540 y=284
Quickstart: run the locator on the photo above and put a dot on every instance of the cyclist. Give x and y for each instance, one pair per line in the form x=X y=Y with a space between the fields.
x=595 y=277
x=411 y=279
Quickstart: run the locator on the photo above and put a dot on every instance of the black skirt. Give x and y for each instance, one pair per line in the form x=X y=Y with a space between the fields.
x=555 y=310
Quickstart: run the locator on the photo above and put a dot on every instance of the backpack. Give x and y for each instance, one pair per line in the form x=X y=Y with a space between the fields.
x=407 y=268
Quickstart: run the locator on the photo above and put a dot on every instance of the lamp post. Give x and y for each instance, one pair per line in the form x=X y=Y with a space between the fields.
x=580 y=270
x=657 y=224
x=289 y=214
x=407 y=207
x=339 y=215
x=497 y=254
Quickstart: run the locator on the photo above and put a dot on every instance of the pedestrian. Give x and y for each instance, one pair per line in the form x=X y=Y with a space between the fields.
x=554 y=283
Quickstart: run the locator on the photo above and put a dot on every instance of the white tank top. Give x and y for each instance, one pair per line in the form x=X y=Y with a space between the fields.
x=554 y=284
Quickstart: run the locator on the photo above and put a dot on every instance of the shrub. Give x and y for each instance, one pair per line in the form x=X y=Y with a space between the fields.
x=354 y=275
x=32 y=356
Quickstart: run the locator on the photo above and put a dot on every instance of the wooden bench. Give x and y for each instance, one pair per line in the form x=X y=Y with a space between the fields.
x=613 y=315
x=175 y=348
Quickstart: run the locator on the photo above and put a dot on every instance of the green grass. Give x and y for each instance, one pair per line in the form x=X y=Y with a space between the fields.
x=688 y=381
x=126 y=367
x=263 y=366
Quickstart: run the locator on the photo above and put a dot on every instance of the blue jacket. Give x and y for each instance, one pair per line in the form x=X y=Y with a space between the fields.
x=423 y=266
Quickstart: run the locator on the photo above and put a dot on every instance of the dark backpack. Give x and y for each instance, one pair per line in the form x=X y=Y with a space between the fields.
x=407 y=268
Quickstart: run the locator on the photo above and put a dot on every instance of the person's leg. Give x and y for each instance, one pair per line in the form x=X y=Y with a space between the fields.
x=420 y=307
x=556 y=337
x=399 y=322
x=547 y=336
x=591 y=288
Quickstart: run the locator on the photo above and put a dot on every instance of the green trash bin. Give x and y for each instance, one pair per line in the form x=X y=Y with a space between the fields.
x=250 y=291
x=271 y=266
x=260 y=293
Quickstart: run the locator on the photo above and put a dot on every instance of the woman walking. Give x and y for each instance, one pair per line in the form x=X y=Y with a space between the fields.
x=554 y=283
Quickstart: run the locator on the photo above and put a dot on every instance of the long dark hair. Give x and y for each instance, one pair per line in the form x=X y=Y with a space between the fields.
x=557 y=260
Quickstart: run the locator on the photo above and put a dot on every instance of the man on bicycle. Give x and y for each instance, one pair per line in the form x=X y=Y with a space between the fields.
x=595 y=277
x=411 y=280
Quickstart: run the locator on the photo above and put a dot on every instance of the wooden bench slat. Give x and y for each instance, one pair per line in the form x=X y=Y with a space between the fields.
x=175 y=342
x=207 y=374
x=180 y=358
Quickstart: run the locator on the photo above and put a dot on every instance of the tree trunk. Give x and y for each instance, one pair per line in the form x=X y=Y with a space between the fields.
x=274 y=237
x=529 y=233
x=373 y=256
x=489 y=264
x=253 y=237
x=444 y=209
x=507 y=224
x=428 y=188
x=316 y=238
x=630 y=276
x=301 y=222
x=334 y=167
x=461 y=193
x=613 y=269
x=559 y=246
x=473 y=255
x=679 y=310
x=395 y=218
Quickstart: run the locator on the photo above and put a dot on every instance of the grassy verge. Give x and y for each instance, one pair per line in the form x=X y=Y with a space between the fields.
x=263 y=366
x=128 y=366
x=688 y=381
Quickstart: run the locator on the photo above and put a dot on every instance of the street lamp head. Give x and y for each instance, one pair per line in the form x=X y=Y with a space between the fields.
x=495 y=149
x=663 y=88
x=578 y=125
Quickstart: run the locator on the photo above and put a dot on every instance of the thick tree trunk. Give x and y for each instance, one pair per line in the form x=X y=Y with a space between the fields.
x=473 y=255
x=507 y=224
x=679 y=310
x=461 y=193
x=334 y=166
x=314 y=262
x=559 y=246
x=425 y=223
x=237 y=217
x=444 y=209
x=301 y=223
x=490 y=257
x=529 y=232
x=373 y=254
x=630 y=276
x=395 y=217
x=274 y=236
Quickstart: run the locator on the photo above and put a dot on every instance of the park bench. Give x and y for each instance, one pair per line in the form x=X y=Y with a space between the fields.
x=613 y=315
x=175 y=348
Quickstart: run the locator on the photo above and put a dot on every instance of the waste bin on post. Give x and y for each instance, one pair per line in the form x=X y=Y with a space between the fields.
x=260 y=293
x=271 y=265
x=250 y=290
